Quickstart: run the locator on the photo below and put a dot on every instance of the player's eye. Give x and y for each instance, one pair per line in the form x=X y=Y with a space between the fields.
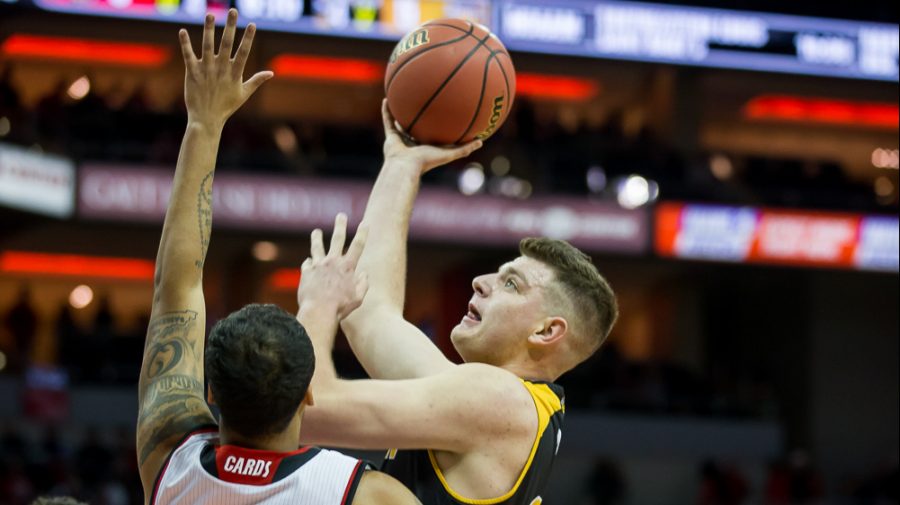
x=511 y=284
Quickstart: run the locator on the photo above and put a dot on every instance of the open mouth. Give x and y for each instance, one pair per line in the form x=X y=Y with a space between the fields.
x=473 y=313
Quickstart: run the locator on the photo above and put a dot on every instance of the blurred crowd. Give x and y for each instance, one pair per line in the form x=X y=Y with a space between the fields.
x=99 y=353
x=563 y=153
x=611 y=382
x=101 y=469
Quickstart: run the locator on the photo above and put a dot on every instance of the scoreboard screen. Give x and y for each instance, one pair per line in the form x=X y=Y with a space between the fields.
x=593 y=28
x=701 y=37
x=377 y=19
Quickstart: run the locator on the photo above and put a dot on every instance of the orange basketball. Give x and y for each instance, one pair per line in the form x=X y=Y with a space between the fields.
x=450 y=81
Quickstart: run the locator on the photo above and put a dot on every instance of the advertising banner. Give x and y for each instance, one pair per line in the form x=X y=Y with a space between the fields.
x=300 y=205
x=754 y=235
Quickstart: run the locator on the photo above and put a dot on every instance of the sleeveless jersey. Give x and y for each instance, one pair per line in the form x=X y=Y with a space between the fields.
x=419 y=470
x=201 y=472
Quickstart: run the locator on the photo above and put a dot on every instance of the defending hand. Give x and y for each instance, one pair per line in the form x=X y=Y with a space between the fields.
x=331 y=280
x=213 y=85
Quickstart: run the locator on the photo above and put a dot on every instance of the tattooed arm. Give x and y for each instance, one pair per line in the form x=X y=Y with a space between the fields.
x=170 y=389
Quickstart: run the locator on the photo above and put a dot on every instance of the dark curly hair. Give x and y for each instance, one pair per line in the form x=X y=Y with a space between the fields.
x=259 y=362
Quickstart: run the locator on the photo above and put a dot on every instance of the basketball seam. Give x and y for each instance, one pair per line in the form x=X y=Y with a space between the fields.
x=423 y=51
x=444 y=84
x=487 y=66
x=471 y=27
x=505 y=78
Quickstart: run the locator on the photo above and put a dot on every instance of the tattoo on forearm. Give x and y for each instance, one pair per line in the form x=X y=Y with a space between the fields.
x=172 y=405
x=167 y=341
x=204 y=216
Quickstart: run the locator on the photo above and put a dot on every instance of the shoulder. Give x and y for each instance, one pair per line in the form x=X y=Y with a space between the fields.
x=377 y=488
x=488 y=380
x=496 y=396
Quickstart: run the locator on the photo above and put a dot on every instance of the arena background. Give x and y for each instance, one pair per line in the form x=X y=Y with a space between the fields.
x=734 y=174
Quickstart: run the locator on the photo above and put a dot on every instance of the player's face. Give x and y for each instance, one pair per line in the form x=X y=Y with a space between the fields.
x=507 y=307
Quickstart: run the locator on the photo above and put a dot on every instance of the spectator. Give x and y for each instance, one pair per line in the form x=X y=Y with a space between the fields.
x=21 y=322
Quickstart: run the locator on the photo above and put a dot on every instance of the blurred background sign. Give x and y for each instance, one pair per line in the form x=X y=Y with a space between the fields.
x=747 y=234
x=352 y=18
x=293 y=205
x=36 y=182
x=602 y=29
x=704 y=37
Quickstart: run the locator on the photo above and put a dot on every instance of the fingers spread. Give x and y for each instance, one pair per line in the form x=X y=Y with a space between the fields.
x=340 y=236
x=243 y=52
x=209 y=32
x=187 y=51
x=256 y=81
x=317 y=247
x=228 y=35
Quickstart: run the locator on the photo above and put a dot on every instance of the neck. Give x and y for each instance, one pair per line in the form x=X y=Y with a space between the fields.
x=286 y=441
x=531 y=370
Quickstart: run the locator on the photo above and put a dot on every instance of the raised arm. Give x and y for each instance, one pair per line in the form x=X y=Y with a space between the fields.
x=170 y=391
x=387 y=345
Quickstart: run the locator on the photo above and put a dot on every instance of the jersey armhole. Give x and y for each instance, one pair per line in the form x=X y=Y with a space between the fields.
x=361 y=468
x=206 y=428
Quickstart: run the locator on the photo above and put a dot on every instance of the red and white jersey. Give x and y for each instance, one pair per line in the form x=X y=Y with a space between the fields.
x=200 y=471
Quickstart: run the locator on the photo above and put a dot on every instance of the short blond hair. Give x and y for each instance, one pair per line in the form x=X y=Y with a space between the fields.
x=590 y=296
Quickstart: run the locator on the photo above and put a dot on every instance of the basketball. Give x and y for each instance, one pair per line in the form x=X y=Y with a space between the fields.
x=450 y=81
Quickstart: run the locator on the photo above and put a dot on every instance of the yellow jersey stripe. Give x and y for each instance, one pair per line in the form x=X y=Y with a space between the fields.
x=546 y=403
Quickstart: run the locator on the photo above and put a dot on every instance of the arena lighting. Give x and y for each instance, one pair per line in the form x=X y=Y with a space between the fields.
x=596 y=179
x=284 y=279
x=555 y=87
x=304 y=67
x=21 y=262
x=79 y=88
x=635 y=191
x=85 y=50
x=471 y=179
x=81 y=296
x=823 y=111
x=265 y=251
x=886 y=158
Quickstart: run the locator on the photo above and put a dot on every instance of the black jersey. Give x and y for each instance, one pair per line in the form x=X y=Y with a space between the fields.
x=419 y=470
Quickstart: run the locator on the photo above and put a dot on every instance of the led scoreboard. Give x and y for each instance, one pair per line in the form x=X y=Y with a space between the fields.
x=378 y=19
x=635 y=31
x=702 y=37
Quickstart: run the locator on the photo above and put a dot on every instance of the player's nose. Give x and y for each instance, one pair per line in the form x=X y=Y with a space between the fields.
x=481 y=286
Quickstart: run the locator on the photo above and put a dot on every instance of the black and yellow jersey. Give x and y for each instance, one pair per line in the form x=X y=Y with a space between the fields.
x=419 y=471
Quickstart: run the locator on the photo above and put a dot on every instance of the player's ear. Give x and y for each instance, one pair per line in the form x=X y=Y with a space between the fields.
x=308 y=400
x=551 y=331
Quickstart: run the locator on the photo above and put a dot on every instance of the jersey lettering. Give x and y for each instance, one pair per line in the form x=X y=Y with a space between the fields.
x=248 y=466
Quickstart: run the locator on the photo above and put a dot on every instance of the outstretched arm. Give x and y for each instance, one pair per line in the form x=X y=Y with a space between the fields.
x=388 y=346
x=171 y=395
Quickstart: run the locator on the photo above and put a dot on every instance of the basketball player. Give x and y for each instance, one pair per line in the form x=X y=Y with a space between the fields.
x=485 y=432
x=259 y=359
